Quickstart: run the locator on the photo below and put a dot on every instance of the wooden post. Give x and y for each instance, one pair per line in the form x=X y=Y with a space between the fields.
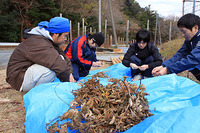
x=113 y=23
x=108 y=41
x=85 y=30
x=70 y=22
x=83 y=26
x=99 y=15
x=155 y=30
x=147 y=24
x=78 y=29
x=127 y=30
x=170 y=30
x=111 y=40
x=159 y=33
x=105 y=43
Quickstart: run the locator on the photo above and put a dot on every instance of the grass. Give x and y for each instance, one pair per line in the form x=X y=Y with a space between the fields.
x=170 y=48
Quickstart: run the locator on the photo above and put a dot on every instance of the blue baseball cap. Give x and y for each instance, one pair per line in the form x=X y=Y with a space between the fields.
x=56 y=25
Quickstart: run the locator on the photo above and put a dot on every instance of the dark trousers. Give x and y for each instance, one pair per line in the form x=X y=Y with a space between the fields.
x=137 y=61
x=81 y=71
x=196 y=73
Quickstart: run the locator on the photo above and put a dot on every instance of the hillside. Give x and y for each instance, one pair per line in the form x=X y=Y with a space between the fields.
x=28 y=14
x=170 y=48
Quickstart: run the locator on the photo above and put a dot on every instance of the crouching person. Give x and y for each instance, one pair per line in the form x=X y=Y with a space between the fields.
x=188 y=56
x=81 y=52
x=38 y=59
x=142 y=56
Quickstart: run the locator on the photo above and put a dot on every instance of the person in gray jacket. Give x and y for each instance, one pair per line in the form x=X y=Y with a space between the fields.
x=39 y=59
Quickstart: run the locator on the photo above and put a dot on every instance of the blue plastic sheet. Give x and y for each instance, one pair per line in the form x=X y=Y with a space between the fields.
x=174 y=101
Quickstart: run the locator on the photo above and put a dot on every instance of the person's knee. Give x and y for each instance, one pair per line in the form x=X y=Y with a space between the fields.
x=76 y=77
x=84 y=73
x=35 y=75
x=149 y=59
x=134 y=59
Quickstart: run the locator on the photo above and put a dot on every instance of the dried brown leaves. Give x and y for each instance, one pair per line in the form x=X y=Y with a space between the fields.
x=112 y=108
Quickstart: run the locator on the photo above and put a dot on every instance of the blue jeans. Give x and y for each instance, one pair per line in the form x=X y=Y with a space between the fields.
x=79 y=71
x=137 y=61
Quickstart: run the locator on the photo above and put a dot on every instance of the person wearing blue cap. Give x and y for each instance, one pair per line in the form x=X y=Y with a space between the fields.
x=39 y=59
x=81 y=52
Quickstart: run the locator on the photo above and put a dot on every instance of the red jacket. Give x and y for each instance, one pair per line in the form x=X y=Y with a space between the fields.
x=78 y=50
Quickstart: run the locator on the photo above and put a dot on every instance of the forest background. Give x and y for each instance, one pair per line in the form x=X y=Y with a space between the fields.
x=18 y=15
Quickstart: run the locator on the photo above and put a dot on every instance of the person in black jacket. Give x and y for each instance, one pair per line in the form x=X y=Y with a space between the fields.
x=142 y=56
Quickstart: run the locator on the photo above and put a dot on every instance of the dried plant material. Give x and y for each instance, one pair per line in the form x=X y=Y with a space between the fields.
x=121 y=58
x=101 y=75
x=6 y=100
x=115 y=60
x=107 y=109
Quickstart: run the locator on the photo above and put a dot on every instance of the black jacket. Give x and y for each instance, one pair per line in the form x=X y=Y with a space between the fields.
x=142 y=54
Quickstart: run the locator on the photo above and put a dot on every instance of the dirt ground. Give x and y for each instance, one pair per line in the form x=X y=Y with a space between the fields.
x=12 y=111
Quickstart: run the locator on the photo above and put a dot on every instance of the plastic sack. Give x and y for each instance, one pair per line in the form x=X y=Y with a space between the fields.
x=171 y=99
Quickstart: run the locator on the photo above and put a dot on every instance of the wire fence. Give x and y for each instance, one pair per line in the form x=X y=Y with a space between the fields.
x=191 y=6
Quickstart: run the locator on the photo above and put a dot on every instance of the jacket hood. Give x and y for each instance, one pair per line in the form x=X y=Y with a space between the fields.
x=37 y=31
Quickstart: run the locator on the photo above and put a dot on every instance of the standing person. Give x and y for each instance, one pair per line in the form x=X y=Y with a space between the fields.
x=142 y=56
x=81 y=52
x=188 y=56
x=38 y=59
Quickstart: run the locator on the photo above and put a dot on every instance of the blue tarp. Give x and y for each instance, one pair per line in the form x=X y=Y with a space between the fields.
x=174 y=101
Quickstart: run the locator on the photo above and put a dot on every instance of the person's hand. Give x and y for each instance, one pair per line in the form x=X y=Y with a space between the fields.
x=96 y=64
x=71 y=78
x=133 y=66
x=163 y=71
x=143 y=67
x=158 y=71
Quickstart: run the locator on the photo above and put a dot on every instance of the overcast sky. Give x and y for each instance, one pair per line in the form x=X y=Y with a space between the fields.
x=164 y=7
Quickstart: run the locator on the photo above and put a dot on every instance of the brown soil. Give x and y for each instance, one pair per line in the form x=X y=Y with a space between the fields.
x=12 y=112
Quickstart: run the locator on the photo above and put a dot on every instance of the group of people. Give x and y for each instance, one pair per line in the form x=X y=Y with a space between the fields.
x=39 y=59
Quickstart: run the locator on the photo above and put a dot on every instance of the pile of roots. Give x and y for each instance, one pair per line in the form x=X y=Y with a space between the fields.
x=112 y=108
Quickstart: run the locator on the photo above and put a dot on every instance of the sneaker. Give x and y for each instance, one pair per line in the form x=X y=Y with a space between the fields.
x=137 y=77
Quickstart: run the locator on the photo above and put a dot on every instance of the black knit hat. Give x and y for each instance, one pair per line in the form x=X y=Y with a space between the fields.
x=98 y=38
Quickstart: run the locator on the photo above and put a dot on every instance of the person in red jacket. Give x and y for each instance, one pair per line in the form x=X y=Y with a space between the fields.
x=81 y=52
